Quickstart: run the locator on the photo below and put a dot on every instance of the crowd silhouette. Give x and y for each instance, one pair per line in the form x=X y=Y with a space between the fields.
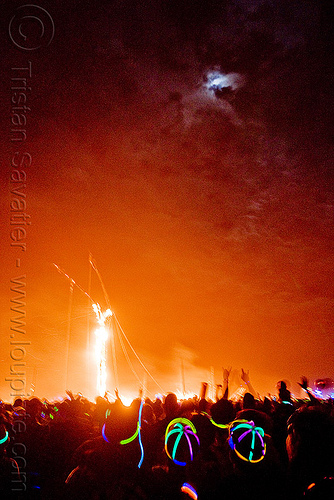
x=273 y=448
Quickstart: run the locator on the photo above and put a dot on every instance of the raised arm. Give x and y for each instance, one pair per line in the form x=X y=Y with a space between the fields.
x=226 y=375
x=304 y=385
x=245 y=378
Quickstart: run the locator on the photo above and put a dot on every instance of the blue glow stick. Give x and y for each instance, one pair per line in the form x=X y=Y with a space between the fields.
x=139 y=435
x=104 y=433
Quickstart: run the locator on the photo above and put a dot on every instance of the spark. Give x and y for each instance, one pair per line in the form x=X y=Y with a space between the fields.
x=181 y=396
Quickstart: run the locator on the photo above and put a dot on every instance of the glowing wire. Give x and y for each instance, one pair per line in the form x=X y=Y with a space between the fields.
x=134 y=352
x=127 y=356
x=3 y=440
x=94 y=266
x=61 y=271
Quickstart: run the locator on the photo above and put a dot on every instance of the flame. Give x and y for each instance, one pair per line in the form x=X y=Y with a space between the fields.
x=101 y=349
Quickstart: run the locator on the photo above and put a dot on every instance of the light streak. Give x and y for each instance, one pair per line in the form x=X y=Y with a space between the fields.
x=190 y=490
x=61 y=271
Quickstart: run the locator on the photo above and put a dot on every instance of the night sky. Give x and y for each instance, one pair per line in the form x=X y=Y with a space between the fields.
x=188 y=146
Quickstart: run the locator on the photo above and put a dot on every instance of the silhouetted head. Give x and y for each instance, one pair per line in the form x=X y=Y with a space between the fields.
x=311 y=436
x=283 y=393
x=205 y=430
x=260 y=419
x=148 y=414
x=158 y=408
x=187 y=408
x=171 y=406
x=248 y=401
x=222 y=412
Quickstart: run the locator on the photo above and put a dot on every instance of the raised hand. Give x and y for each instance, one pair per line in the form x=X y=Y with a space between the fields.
x=304 y=383
x=245 y=378
x=226 y=373
x=244 y=375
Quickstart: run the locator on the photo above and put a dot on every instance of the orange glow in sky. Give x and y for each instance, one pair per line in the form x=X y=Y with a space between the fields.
x=196 y=171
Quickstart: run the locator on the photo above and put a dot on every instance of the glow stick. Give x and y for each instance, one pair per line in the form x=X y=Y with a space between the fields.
x=104 y=433
x=176 y=444
x=190 y=446
x=187 y=488
x=256 y=431
x=221 y=426
x=182 y=427
x=3 y=440
x=139 y=436
x=137 y=433
x=181 y=420
x=128 y=440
